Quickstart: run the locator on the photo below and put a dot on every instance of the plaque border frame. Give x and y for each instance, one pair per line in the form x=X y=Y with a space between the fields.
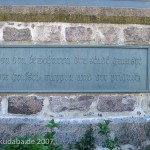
x=86 y=46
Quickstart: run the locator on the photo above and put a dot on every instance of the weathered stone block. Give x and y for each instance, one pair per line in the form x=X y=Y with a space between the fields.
x=108 y=35
x=137 y=35
x=47 y=33
x=116 y=103
x=25 y=104
x=129 y=130
x=62 y=103
x=78 y=34
x=13 y=34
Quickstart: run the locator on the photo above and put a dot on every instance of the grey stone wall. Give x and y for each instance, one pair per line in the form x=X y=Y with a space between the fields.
x=133 y=133
x=74 y=33
x=81 y=105
x=105 y=11
x=74 y=111
x=129 y=112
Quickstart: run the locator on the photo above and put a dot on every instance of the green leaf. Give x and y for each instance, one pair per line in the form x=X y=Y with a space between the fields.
x=107 y=122
x=52 y=124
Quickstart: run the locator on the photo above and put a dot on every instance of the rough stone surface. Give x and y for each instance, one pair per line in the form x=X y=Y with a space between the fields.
x=133 y=131
x=139 y=35
x=13 y=34
x=68 y=34
x=78 y=34
x=10 y=130
x=50 y=33
x=116 y=103
x=25 y=104
x=127 y=147
x=62 y=103
x=103 y=11
x=108 y=35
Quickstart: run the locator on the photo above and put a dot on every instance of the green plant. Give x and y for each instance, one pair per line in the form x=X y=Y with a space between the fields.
x=50 y=136
x=147 y=147
x=35 y=143
x=87 y=142
x=105 y=131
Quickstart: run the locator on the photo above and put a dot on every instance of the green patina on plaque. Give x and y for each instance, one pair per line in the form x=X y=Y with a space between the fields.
x=73 y=69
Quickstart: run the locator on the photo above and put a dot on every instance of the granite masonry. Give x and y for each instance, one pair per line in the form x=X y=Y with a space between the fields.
x=73 y=33
x=129 y=112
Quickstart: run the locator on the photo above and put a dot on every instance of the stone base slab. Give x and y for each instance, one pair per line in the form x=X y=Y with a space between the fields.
x=131 y=131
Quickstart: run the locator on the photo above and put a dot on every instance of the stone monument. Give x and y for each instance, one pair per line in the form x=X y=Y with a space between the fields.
x=79 y=64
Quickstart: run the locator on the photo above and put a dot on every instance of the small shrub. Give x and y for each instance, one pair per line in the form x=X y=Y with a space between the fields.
x=35 y=143
x=87 y=142
x=147 y=147
x=105 y=131
x=50 y=136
